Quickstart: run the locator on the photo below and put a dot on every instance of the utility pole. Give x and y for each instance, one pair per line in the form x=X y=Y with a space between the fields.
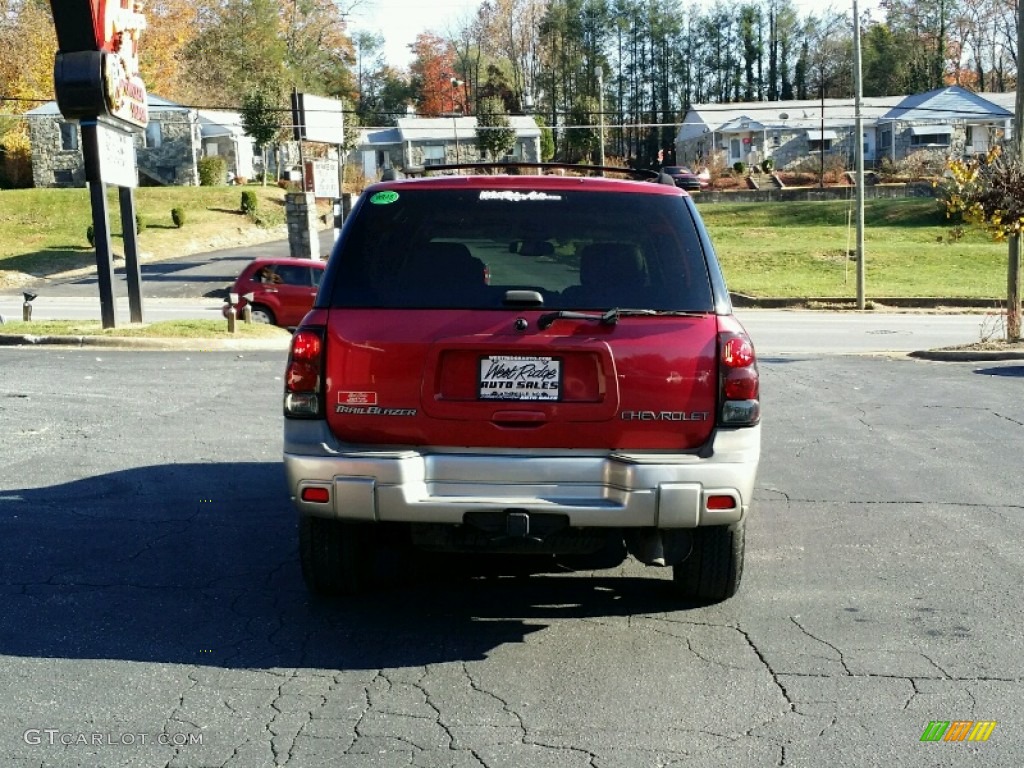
x=1013 y=304
x=858 y=123
x=600 y=116
x=821 y=137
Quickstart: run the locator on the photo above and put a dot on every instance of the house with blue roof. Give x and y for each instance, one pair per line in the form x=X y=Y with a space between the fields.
x=417 y=142
x=950 y=120
x=167 y=151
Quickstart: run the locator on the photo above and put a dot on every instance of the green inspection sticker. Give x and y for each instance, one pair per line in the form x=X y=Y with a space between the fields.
x=384 y=198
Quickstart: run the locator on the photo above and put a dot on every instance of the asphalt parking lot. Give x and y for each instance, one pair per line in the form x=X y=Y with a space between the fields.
x=151 y=586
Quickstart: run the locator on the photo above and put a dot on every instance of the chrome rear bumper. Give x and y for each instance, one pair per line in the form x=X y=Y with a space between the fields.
x=611 y=489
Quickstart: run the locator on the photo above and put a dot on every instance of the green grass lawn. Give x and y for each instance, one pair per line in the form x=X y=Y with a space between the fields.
x=805 y=249
x=165 y=329
x=784 y=249
x=43 y=231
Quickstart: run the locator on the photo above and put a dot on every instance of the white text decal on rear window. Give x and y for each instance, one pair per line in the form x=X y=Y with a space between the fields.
x=516 y=197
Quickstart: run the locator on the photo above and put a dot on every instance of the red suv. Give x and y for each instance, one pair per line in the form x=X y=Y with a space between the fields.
x=283 y=289
x=595 y=397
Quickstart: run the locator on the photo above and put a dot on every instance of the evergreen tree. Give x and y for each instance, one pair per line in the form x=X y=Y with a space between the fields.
x=494 y=133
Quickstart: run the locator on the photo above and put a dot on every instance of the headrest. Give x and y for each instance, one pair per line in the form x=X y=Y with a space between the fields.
x=610 y=263
x=437 y=263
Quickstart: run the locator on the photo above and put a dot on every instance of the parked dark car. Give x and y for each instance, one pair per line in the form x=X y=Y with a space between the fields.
x=684 y=177
x=283 y=289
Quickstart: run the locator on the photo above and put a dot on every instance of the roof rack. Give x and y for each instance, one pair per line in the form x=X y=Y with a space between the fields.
x=642 y=174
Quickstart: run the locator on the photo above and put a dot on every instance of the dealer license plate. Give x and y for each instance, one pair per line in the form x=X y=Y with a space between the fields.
x=515 y=377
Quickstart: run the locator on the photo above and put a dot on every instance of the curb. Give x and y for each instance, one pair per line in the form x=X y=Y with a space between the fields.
x=881 y=303
x=143 y=343
x=967 y=355
x=272 y=345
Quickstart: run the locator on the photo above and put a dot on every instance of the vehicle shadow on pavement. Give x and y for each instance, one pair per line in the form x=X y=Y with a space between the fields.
x=167 y=271
x=1006 y=370
x=198 y=564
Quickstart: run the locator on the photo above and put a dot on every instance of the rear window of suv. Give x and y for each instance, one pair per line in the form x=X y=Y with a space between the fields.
x=455 y=248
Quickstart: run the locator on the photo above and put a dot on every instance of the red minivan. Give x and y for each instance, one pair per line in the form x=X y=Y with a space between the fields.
x=594 y=397
x=283 y=289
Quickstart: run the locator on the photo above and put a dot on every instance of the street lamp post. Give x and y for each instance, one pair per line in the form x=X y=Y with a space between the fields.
x=455 y=125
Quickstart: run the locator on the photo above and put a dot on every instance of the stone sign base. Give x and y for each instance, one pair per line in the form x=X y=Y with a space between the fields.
x=303 y=236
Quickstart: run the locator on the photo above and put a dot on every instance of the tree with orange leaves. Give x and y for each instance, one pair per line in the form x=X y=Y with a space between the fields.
x=437 y=88
x=170 y=26
x=28 y=42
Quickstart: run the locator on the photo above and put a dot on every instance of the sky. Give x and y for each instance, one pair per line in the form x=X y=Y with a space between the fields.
x=401 y=20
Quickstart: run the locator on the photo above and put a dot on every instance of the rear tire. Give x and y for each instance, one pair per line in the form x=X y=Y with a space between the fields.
x=337 y=557
x=263 y=315
x=713 y=571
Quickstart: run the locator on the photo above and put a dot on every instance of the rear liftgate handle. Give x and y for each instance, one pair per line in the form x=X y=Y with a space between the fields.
x=519 y=418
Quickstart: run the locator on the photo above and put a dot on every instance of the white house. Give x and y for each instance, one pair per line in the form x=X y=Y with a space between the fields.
x=425 y=141
x=785 y=131
x=167 y=151
x=950 y=119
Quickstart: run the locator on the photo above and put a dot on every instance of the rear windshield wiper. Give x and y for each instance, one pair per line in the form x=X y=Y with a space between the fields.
x=611 y=317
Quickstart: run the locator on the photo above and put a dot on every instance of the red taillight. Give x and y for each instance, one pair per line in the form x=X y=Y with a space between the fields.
x=306 y=346
x=316 y=495
x=721 y=502
x=741 y=384
x=737 y=352
x=740 y=380
x=303 y=377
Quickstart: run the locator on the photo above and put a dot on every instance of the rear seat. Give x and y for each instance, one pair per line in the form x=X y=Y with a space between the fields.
x=445 y=274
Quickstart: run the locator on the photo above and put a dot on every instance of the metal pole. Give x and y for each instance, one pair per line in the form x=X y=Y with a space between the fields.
x=101 y=228
x=1013 y=280
x=821 y=142
x=341 y=170
x=600 y=114
x=133 y=272
x=858 y=122
x=455 y=128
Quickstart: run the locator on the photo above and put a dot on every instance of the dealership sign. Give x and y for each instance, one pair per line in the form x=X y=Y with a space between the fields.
x=116 y=157
x=96 y=72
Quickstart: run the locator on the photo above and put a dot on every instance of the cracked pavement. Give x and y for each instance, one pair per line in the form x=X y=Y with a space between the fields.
x=151 y=589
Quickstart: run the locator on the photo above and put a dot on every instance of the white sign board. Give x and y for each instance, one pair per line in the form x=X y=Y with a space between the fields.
x=323 y=174
x=321 y=119
x=117 y=157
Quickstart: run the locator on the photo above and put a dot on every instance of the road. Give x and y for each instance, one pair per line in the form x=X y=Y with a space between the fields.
x=150 y=585
x=774 y=331
x=192 y=287
x=202 y=275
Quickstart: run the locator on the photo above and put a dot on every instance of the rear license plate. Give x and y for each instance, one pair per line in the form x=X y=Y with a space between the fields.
x=514 y=377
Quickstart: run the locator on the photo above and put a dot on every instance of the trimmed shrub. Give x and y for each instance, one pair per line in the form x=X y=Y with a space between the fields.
x=768 y=165
x=90 y=235
x=212 y=171
x=249 y=201
x=178 y=217
x=740 y=167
